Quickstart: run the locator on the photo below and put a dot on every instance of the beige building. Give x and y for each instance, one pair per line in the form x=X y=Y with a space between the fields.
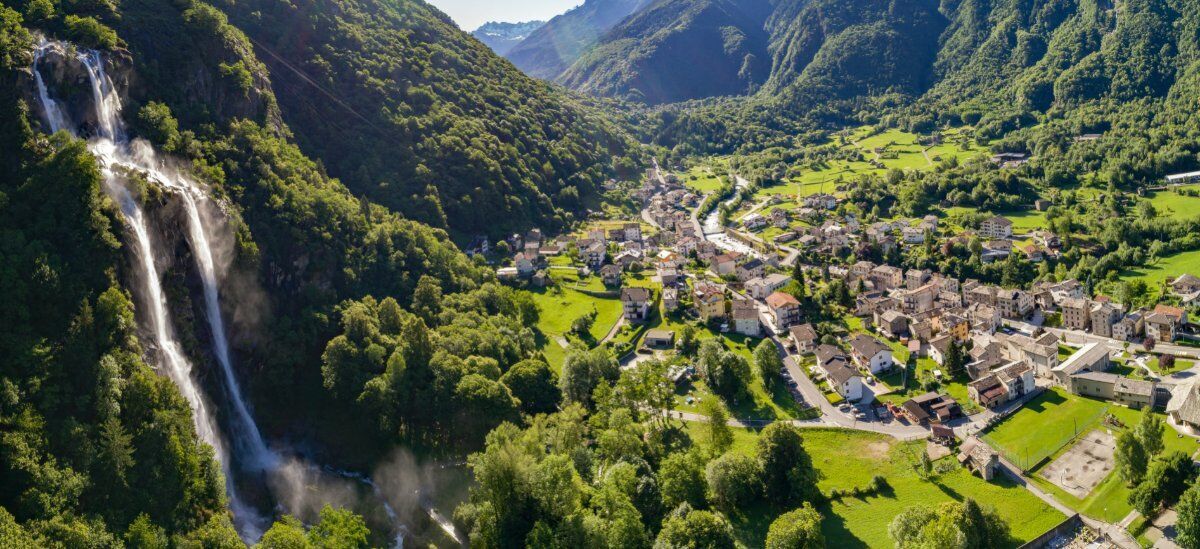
x=1103 y=317
x=1014 y=303
x=996 y=228
x=1076 y=313
x=709 y=300
x=1122 y=390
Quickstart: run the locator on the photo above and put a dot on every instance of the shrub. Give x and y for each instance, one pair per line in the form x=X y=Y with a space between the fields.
x=90 y=33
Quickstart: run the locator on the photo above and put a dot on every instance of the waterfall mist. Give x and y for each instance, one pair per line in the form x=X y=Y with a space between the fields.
x=296 y=485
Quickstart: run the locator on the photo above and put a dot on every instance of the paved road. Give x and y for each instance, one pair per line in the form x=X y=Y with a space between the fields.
x=1078 y=338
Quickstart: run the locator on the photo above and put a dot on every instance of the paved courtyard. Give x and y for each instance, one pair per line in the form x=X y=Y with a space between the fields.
x=1084 y=466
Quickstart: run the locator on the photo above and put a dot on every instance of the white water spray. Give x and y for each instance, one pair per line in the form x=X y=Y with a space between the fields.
x=115 y=154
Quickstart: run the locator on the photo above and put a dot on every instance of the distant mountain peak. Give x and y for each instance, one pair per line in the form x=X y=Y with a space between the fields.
x=553 y=47
x=501 y=36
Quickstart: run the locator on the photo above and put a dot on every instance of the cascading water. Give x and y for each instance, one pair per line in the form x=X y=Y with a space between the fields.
x=115 y=154
x=292 y=477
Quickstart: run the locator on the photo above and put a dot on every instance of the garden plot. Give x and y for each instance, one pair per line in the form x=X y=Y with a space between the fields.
x=1084 y=466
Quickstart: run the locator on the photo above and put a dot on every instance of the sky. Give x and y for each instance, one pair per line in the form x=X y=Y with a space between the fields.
x=470 y=14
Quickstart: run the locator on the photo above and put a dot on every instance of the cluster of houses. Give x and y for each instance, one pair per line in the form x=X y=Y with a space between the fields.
x=828 y=236
x=929 y=313
x=1107 y=319
x=714 y=304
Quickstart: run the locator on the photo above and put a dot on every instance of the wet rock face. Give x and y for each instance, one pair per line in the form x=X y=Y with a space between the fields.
x=66 y=79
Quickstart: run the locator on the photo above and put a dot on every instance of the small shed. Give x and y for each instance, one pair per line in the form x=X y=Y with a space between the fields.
x=660 y=338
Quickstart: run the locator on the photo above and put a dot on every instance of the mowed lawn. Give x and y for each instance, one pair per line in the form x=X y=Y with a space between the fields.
x=1023 y=221
x=846 y=459
x=1167 y=267
x=1044 y=426
x=1171 y=204
x=557 y=310
x=702 y=178
x=1047 y=426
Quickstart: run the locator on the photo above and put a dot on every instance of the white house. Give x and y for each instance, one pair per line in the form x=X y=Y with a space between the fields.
x=761 y=287
x=871 y=354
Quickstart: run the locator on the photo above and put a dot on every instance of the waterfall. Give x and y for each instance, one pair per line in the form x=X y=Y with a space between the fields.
x=115 y=154
x=291 y=479
x=50 y=108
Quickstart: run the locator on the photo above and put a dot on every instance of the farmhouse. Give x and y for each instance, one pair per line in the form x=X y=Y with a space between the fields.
x=1185 y=284
x=892 y=323
x=1184 y=407
x=979 y=458
x=611 y=275
x=930 y=407
x=1003 y=385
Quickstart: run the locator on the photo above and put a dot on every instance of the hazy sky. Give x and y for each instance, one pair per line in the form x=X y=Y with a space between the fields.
x=469 y=14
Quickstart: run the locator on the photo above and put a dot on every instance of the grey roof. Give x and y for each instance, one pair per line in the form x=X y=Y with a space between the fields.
x=1084 y=358
x=1135 y=387
x=777 y=278
x=752 y=264
x=1101 y=377
x=803 y=332
x=635 y=294
x=867 y=346
x=827 y=352
x=1189 y=410
x=839 y=372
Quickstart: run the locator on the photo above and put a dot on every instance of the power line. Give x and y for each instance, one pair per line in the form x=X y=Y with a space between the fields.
x=313 y=83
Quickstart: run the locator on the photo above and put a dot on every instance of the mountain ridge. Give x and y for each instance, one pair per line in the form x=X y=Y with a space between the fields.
x=502 y=36
x=549 y=50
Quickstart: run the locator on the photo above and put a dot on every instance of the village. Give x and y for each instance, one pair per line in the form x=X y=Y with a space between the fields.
x=917 y=354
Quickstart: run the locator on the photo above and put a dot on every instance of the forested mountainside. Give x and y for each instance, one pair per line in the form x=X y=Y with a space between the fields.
x=849 y=48
x=547 y=52
x=501 y=37
x=1000 y=66
x=677 y=50
x=414 y=114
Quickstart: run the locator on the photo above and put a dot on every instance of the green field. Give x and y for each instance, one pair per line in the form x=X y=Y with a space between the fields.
x=702 y=178
x=1045 y=428
x=558 y=309
x=1023 y=221
x=897 y=150
x=1174 y=205
x=1167 y=267
x=846 y=459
